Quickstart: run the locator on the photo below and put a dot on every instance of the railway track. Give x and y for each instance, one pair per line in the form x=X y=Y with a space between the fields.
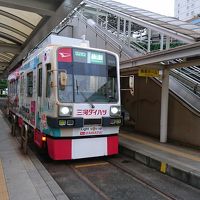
x=100 y=178
x=139 y=179
x=142 y=181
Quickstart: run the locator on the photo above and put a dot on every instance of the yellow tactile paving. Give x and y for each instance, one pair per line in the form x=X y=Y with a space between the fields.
x=163 y=167
x=3 y=187
x=91 y=165
x=163 y=148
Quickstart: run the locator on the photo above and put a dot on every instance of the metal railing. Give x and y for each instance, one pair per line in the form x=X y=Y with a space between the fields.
x=188 y=79
x=122 y=36
x=101 y=33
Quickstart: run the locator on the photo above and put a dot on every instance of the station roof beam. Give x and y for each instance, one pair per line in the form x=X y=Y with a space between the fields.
x=25 y=23
x=183 y=56
x=41 y=7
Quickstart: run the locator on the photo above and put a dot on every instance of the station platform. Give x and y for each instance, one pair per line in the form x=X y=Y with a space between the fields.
x=176 y=161
x=22 y=176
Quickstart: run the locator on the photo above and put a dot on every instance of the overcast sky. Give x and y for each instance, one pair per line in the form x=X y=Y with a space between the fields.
x=164 y=7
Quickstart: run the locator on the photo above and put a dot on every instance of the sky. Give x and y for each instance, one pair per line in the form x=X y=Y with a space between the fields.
x=164 y=7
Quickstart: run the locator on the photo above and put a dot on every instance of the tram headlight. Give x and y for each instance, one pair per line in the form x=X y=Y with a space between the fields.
x=115 y=111
x=65 y=111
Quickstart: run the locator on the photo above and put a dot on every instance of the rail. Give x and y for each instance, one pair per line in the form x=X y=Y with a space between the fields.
x=184 y=95
x=188 y=81
x=192 y=72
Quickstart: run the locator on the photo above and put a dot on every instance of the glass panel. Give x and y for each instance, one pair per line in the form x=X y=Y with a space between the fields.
x=188 y=26
x=150 y=16
x=11 y=54
x=132 y=9
x=177 y=23
x=48 y=81
x=4 y=58
x=124 y=6
x=12 y=34
x=166 y=19
x=170 y=27
x=65 y=94
x=144 y=18
x=22 y=85
x=6 y=41
x=184 y=31
x=160 y=23
x=39 y=82
x=96 y=87
x=148 y=13
x=91 y=77
x=16 y=25
x=31 y=17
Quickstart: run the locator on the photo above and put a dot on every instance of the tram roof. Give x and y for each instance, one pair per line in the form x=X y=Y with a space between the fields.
x=25 y=23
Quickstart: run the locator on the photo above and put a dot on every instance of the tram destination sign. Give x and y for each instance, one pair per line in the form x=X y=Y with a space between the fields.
x=92 y=57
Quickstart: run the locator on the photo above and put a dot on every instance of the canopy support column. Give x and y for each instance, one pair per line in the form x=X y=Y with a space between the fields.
x=161 y=42
x=164 y=106
x=129 y=33
x=167 y=42
x=149 y=40
x=124 y=26
x=106 y=21
x=118 y=26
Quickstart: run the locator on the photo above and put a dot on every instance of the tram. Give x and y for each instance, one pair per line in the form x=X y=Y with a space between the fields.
x=67 y=95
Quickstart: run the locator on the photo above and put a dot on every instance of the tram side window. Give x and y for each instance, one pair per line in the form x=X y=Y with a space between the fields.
x=48 y=80
x=30 y=84
x=16 y=85
x=12 y=89
x=39 y=82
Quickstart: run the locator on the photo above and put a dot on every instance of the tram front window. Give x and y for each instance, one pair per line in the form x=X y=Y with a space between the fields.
x=94 y=89
x=90 y=82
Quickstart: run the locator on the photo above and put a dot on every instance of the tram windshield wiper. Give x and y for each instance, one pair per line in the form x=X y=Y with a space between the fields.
x=77 y=86
x=83 y=95
x=86 y=100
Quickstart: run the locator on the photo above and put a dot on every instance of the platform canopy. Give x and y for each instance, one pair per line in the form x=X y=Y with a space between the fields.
x=182 y=56
x=25 y=23
x=186 y=31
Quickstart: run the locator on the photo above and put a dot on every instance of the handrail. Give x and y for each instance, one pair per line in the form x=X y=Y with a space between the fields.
x=191 y=72
x=186 y=81
x=122 y=36
x=184 y=96
x=99 y=32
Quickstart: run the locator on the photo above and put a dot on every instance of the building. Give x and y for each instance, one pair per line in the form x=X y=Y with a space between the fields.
x=187 y=9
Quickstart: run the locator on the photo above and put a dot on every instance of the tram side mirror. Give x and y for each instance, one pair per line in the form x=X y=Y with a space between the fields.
x=127 y=83
x=63 y=79
x=131 y=84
